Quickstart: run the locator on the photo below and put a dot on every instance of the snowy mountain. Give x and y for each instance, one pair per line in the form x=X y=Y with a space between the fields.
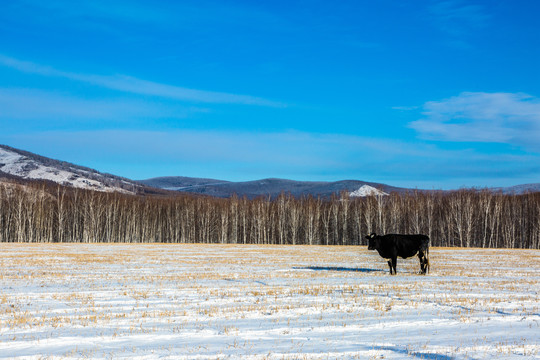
x=21 y=165
x=267 y=187
x=25 y=165
x=274 y=187
x=366 y=190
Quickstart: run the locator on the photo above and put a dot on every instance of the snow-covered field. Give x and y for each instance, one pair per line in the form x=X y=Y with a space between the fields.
x=265 y=302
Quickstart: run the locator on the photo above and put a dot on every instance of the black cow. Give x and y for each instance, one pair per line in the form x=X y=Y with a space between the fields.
x=391 y=246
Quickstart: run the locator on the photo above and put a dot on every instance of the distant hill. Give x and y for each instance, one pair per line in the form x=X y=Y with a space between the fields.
x=518 y=189
x=273 y=187
x=266 y=187
x=180 y=183
x=22 y=165
x=19 y=165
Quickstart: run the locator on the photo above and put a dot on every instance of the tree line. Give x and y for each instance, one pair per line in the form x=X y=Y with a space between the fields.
x=464 y=218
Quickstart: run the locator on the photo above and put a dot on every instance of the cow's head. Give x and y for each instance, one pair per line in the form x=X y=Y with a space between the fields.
x=372 y=243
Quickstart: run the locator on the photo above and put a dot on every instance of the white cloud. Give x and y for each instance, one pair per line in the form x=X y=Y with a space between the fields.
x=133 y=85
x=404 y=108
x=39 y=105
x=483 y=117
x=458 y=18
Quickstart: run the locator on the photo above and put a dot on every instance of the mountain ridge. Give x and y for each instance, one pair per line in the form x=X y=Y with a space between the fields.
x=24 y=165
x=16 y=164
x=266 y=187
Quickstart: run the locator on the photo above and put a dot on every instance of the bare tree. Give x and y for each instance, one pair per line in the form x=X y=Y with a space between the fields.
x=47 y=213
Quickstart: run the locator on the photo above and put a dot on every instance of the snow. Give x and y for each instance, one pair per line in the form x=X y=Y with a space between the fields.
x=26 y=168
x=101 y=301
x=366 y=190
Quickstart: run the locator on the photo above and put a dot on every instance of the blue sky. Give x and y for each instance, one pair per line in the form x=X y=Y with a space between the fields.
x=427 y=94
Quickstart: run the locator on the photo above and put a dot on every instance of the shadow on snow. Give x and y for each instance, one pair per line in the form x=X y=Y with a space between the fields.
x=331 y=268
x=415 y=354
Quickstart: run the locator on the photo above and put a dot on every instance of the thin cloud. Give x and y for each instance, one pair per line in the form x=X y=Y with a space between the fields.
x=458 y=18
x=38 y=105
x=460 y=21
x=131 y=11
x=510 y=118
x=405 y=108
x=133 y=85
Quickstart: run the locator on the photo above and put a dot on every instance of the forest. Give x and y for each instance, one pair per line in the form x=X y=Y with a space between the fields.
x=464 y=218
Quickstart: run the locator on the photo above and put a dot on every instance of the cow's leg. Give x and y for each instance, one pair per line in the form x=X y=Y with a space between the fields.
x=423 y=262
x=392 y=265
x=421 y=259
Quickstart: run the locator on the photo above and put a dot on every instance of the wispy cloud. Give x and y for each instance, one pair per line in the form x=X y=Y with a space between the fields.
x=133 y=11
x=405 y=108
x=459 y=20
x=38 y=105
x=458 y=17
x=511 y=118
x=133 y=85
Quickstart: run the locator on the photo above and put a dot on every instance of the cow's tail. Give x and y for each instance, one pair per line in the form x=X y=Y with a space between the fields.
x=427 y=260
x=425 y=249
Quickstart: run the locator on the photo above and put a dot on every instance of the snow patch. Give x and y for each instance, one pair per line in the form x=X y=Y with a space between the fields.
x=366 y=190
